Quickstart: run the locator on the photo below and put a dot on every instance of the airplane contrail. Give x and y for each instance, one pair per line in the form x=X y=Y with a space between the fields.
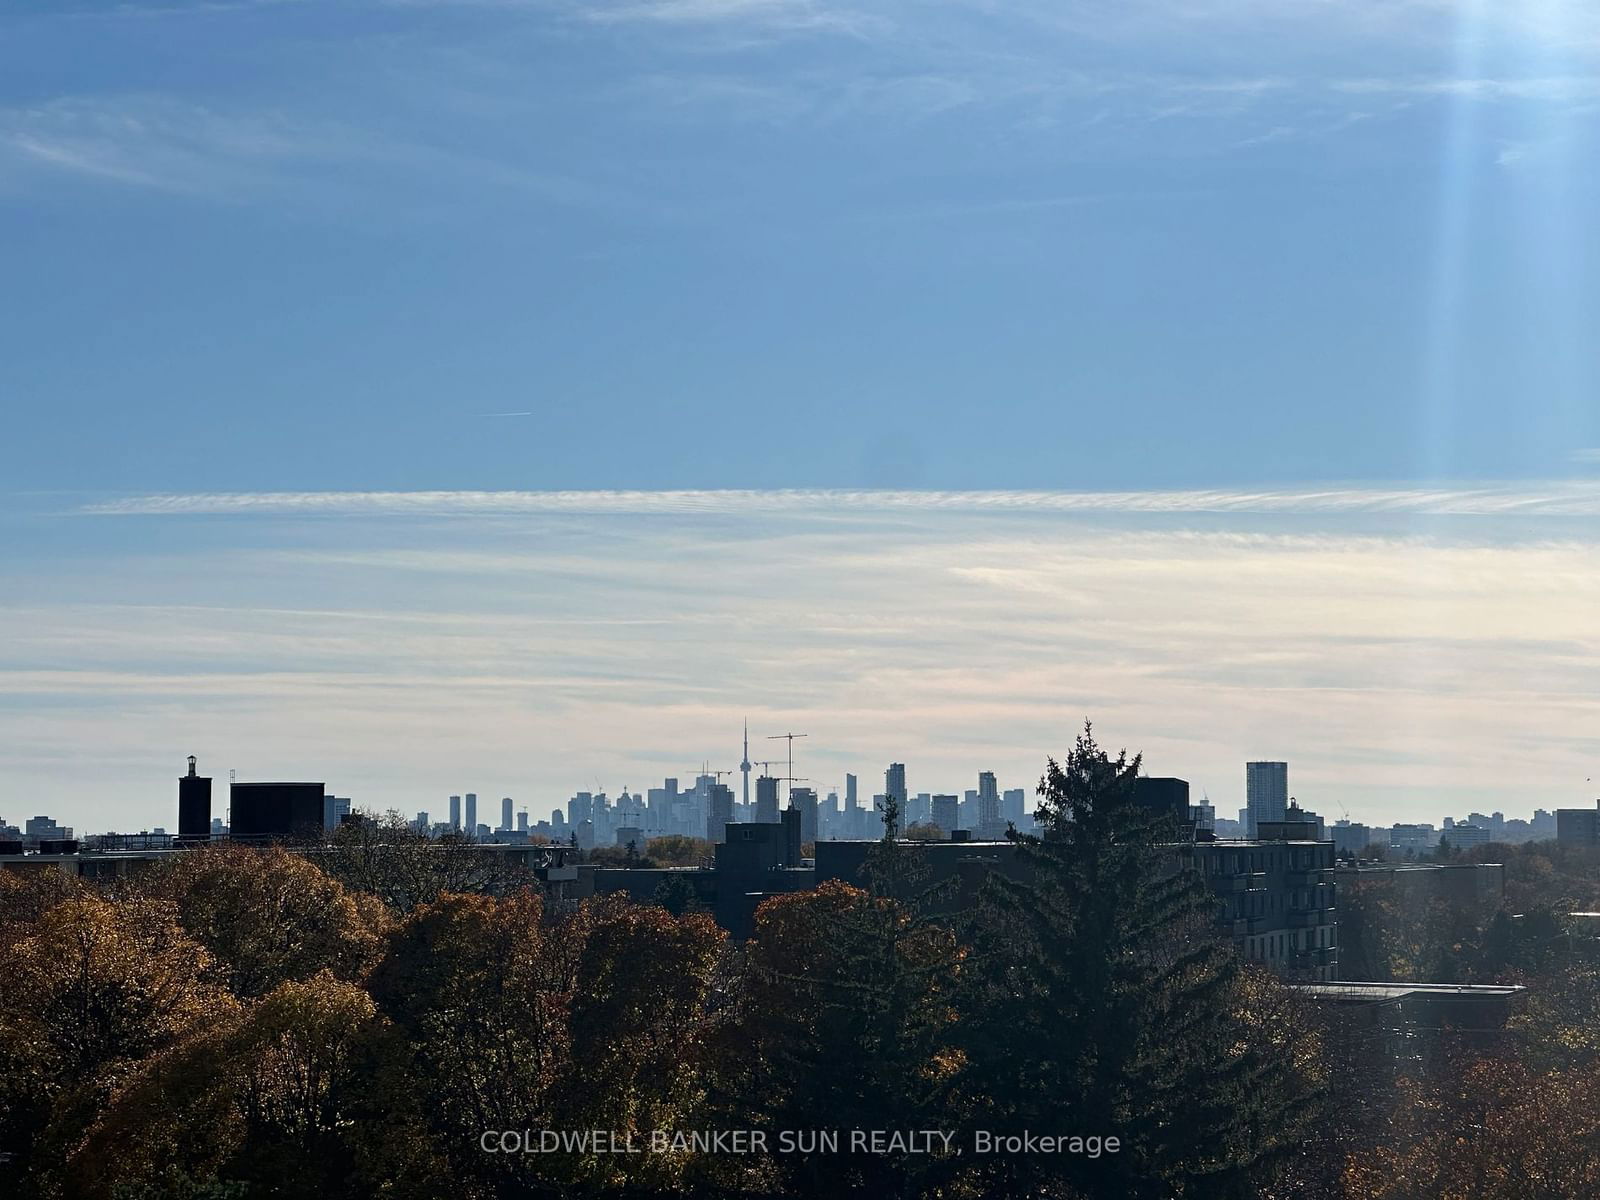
x=510 y=414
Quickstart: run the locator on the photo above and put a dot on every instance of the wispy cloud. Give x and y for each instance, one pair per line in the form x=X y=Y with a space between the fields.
x=1278 y=133
x=1549 y=89
x=787 y=15
x=1562 y=499
x=149 y=142
x=158 y=143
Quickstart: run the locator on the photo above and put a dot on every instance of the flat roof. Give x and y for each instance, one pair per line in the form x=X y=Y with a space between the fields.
x=1256 y=842
x=82 y=854
x=1415 y=866
x=1400 y=991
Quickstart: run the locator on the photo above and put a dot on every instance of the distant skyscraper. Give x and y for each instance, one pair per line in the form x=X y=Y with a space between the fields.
x=719 y=813
x=581 y=807
x=505 y=813
x=804 y=800
x=766 y=799
x=1014 y=805
x=1266 y=789
x=334 y=810
x=522 y=821
x=455 y=812
x=421 y=823
x=919 y=808
x=472 y=813
x=945 y=814
x=989 y=823
x=894 y=785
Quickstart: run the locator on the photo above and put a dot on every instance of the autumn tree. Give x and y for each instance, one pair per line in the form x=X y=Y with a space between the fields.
x=291 y=1097
x=25 y=896
x=848 y=1021
x=481 y=991
x=269 y=915
x=1560 y=1023
x=94 y=987
x=676 y=850
x=1491 y=1128
x=406 y=868
x=638 y=1026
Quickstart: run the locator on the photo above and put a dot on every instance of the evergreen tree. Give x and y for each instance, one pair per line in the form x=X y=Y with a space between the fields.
x=1499 y=945
x=675 y=894
x=1101 y=1002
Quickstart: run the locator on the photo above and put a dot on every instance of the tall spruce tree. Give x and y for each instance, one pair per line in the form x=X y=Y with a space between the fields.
x=1100 y=1001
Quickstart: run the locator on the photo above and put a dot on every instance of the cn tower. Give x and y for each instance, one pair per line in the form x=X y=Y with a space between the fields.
x=744 y=766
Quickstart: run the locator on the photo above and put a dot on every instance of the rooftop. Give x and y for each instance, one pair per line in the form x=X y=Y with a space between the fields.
x=1464 y=992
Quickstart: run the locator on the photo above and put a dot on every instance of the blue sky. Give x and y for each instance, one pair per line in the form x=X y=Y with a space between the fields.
x=1151 y=246
x=760 y=243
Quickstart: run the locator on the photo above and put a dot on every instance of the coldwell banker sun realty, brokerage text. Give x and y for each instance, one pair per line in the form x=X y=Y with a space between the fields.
x=788 y=1141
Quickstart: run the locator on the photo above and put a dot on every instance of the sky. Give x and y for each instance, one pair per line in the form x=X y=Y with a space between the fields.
x=513 y=395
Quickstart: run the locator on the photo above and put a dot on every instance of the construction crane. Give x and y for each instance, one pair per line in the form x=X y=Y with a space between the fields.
x=788 y=737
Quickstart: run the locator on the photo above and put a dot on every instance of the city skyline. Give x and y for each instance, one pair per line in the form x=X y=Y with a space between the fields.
x=1407 y=652
x=516 y=812
x=1385 y=643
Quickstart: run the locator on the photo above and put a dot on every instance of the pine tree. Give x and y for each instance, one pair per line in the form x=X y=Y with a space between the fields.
x=1101 y=1002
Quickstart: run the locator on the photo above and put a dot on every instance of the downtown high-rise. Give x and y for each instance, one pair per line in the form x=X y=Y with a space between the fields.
x=1266 y=789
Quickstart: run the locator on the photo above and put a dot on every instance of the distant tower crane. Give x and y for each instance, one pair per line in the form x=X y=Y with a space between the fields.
x=788 y=737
